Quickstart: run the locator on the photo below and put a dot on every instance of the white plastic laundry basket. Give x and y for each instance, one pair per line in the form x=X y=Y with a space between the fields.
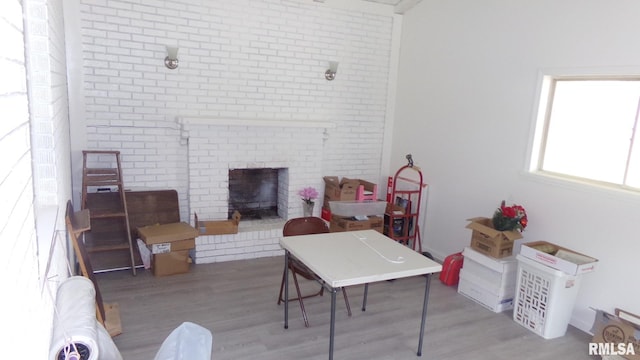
x=544 y=298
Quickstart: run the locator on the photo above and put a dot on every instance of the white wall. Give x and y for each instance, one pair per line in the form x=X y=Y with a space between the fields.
x=466 y=102
x=35 y=175
x=249 y=59
x=19 y=271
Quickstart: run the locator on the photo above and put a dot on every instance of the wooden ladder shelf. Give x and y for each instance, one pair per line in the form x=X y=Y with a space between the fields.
x=108 y=243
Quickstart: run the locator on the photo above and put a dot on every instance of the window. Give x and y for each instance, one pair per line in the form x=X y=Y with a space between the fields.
x=588 y=130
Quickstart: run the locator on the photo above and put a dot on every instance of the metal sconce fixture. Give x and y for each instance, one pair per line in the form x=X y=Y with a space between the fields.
x=171 y=61
x=330 y=74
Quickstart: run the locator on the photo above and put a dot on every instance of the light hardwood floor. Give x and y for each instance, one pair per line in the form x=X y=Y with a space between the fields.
x=237 y=302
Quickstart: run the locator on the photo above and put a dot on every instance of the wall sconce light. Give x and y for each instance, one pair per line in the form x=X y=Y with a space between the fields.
x=171 y=61
x=330 y=74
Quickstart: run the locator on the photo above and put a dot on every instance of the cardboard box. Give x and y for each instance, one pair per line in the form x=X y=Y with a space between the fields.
x=496 y=274
x=336 y=190
x=170 y=245
x=557 y=257
x=156 y=234
x=394 y=217
x=489 y=241
x=476 y=292
x=366 y=191
x=339 y=224
x=394 y=209
x=171 y=263
x=618 y=333
x=346 y=190
x=162 y=248
x=218 y=227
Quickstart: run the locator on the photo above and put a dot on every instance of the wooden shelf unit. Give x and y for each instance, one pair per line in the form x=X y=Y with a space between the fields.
x=109 y=242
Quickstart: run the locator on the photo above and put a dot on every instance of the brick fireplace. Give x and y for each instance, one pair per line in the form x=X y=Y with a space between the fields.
x=254 y=192
x=216 y=146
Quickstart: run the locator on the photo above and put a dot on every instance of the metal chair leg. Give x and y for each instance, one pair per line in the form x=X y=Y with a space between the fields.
x=346 y=301
x=304 y=313
x=280 y=298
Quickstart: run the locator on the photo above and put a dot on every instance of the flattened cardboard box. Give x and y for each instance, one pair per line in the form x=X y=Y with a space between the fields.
x=218 y=227
x=155 y=234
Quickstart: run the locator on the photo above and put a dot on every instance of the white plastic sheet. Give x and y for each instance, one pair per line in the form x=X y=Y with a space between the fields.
x=145 y=254
x=187 y=341
x=75 y=317
x=75 y=323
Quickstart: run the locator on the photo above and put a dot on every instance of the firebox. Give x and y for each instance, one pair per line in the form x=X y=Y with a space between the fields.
x=254 y=192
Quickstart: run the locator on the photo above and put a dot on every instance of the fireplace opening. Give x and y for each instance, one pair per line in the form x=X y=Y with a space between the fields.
x=254 y=193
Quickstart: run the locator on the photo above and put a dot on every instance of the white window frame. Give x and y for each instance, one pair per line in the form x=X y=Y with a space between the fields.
x=540 y=120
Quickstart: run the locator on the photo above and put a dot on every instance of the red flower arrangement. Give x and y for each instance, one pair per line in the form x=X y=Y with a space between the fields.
x=510 y=218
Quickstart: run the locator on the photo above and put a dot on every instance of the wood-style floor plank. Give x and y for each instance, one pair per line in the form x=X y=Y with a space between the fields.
x=237 y=302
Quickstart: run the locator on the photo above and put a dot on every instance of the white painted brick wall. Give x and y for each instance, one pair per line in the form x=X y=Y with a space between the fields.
x=215 y=149
x=48 y=103
x=247 y=244
x=27 y=302
x=254 y=59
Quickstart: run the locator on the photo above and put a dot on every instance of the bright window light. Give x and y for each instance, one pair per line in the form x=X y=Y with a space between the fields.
x=590 y=130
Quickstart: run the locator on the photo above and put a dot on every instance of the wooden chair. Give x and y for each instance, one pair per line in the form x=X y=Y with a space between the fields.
x=305 y=226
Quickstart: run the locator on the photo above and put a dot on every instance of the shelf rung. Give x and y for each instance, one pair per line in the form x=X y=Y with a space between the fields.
x=102 y=214
x=111 y=247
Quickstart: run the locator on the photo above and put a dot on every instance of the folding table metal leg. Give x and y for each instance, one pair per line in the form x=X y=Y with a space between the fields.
x=332 y=329
x=364 y=299
x=286 y=289
x=424 y=312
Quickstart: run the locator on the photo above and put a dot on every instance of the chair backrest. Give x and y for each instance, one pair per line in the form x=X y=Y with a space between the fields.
x=305 y=226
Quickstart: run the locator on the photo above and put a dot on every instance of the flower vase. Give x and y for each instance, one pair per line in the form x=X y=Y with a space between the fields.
x=307 y=209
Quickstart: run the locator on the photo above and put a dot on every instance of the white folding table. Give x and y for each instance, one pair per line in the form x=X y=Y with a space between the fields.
x=349 y=258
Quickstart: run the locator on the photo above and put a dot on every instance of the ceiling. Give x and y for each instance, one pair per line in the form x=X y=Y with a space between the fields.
x=400 y=5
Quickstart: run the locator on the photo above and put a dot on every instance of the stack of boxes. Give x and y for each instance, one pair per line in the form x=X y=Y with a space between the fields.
x=357 y=215
x=354 y=205
x=489 y=271
x=488 y=281
x=169 y=245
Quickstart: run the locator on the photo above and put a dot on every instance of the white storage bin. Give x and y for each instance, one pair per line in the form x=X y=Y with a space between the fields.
x=476 y=292
x=544 y=298
x=496 y=274
x=357 y=208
